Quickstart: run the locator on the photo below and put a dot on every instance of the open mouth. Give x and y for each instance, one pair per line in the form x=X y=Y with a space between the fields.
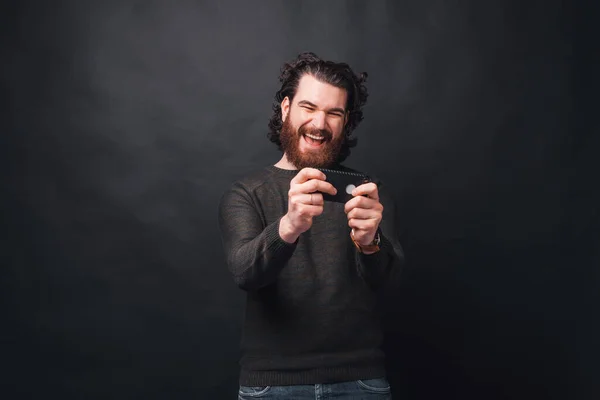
x=314 y=140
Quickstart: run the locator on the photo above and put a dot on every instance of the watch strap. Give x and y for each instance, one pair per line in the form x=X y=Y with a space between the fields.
x=371 y=247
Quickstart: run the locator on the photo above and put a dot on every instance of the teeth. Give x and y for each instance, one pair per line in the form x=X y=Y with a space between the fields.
x=315 y=137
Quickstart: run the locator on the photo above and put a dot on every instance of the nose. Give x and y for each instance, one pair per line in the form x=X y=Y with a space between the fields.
x=318 y=120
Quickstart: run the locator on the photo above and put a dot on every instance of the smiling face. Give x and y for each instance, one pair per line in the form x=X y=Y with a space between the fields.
x=313 y=124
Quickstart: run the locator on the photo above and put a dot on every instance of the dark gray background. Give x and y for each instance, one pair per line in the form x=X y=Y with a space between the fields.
x=123 y=122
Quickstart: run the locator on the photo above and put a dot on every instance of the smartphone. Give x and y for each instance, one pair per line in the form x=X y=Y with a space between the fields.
x=344 y=182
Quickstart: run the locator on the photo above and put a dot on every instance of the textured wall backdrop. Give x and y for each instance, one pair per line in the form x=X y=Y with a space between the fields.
x=124 y=121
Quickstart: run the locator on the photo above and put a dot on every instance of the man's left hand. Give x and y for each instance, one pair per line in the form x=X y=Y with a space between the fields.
x=364 y=213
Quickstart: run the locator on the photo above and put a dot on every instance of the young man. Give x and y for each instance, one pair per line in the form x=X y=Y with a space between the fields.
x=312 y=268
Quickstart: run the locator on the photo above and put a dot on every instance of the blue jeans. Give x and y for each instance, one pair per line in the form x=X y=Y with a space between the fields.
x=370 y=389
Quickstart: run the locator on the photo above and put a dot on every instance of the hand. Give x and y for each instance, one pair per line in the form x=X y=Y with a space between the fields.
x=364 y=213
x=304 y=203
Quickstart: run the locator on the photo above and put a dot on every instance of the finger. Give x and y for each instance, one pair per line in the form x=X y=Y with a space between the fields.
x=315 y=199
x=369 y=189
x=362 y=202
x=309 y=210
x=362 y=225
x=306 y=174
x=314 y=185
x=364 y=213
x=302 y=198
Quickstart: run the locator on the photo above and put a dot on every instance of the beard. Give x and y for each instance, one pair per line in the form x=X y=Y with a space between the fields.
x=324 y=157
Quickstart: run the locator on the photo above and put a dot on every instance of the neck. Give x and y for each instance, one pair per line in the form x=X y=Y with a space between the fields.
x=284 y=163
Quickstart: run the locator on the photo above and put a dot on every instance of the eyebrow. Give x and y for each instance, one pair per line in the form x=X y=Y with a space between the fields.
x=308 y=103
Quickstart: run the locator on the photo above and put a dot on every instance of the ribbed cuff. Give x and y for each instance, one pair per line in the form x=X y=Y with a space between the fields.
x=274 y=241
x=371 y=266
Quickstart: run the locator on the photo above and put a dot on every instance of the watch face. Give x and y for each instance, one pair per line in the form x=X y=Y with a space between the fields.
x=373 y=246
x=377 y=239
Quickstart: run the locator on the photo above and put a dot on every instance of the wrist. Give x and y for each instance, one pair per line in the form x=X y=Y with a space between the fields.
x=368 y=252
x=369 y=248
x=286 y=230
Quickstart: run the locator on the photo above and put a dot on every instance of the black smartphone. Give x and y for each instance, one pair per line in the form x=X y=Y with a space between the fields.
x=344 y=182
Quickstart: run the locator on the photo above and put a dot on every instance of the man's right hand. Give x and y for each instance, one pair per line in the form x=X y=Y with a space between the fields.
x=305 y=201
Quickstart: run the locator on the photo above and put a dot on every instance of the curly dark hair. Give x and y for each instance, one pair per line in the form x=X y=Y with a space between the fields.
x=336 y=74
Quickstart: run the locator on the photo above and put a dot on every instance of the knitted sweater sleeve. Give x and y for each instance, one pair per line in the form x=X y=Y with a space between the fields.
x=255 y=253
x=383 y=268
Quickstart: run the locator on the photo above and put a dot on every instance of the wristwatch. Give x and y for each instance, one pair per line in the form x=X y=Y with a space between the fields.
x=371 y=247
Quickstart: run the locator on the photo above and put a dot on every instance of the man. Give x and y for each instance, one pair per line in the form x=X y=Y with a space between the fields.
x=312 y=269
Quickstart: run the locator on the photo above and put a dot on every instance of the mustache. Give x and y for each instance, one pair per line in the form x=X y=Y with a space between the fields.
x=318 y=132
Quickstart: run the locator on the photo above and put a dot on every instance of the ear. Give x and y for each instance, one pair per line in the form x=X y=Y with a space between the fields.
x=346 y=118
x=285 y=108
